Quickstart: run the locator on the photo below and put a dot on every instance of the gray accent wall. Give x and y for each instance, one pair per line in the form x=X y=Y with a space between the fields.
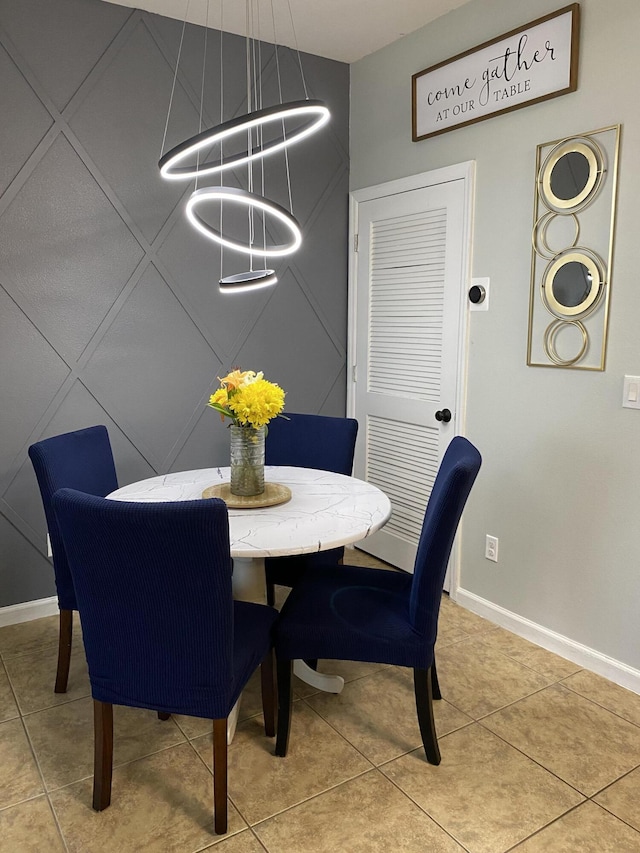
x=109 y=305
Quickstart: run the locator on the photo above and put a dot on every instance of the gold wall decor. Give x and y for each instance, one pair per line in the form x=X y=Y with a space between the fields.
x=572 y=250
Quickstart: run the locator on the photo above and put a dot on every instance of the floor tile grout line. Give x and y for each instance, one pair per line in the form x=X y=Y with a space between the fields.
x=312 y=797
x=418 y=806
x=23 y=801
x=339 y=733
x=57 y=822
x=595 y=702
x=546 y=826
x=553 y=679
x=14 y=655
x=13 y=693
x=528 y=696
x=613 y=814
x=34 y=753
x=115 y=766
x=534 y=760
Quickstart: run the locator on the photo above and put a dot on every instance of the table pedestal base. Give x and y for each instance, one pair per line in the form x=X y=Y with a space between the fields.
x=249 y=579
x=232 y=720
x=320 y=680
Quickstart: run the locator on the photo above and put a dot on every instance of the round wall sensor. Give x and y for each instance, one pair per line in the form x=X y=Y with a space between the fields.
x=477 y=294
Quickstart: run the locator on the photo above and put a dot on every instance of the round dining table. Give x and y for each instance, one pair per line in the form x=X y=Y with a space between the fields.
x=325 y=510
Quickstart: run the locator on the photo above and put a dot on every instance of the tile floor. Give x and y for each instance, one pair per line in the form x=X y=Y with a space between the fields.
x=538 y=756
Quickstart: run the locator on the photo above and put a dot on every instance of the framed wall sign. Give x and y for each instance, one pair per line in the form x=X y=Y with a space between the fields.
x=531 y=64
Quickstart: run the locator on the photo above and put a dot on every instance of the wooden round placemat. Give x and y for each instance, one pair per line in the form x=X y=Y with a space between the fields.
x=274 y=493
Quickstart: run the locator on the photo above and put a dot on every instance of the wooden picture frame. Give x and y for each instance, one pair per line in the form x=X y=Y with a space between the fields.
x=527 y=65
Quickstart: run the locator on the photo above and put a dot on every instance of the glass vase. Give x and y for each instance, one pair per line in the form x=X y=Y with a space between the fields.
x=247 y=460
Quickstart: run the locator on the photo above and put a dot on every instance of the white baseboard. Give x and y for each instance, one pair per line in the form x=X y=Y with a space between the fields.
x=28 y=610
x=616 y=671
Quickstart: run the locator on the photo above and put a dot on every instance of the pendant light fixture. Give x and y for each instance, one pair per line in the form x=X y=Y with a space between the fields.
x=291 y=121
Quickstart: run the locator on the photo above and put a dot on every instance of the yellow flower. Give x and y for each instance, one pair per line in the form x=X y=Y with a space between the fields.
x=219 y=397
x=257 y=403
x=247 y=398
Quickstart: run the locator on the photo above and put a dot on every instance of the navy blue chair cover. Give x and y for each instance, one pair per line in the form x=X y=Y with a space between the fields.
x=161 y=629
x=307 y=441
x=363 y=614
x=78 y=460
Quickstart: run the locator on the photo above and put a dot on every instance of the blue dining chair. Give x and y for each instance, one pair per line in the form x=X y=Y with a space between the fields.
x=79 y=460
x=307 y=441
x=364 y=614
x=161 y=629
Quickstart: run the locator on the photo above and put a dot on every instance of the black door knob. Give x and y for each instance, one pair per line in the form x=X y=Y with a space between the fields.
x=443 y=415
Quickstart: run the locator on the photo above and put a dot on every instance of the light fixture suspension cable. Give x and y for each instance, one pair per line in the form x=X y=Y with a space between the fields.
x=221 y=121
x=284 y=130
x=295 y=41
x=175 y=76
x=204 y=66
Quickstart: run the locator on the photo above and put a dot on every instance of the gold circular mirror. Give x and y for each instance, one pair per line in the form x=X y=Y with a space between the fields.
x=573 y=283
x=571 y=175
x=565 y=342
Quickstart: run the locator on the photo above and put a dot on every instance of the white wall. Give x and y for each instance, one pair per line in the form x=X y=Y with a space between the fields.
x=560 y=484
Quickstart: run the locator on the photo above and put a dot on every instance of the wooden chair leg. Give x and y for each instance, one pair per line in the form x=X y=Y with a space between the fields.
x=268 y=684
x=424 y=707
x=220 y=776
x=102 y=754
x=285 y=705
x=64 y=650
x=435 y=684
x=162 y=715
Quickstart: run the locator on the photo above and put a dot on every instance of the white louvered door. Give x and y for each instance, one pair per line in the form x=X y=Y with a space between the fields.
x=409 y=287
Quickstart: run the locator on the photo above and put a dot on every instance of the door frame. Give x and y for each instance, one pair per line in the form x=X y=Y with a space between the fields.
x=461 y=171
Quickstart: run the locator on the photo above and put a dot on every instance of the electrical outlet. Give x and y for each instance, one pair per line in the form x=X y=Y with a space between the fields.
x=491 y=548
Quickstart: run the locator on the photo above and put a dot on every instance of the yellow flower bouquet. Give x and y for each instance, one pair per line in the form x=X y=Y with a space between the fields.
x=250 y=401
x=247 y=398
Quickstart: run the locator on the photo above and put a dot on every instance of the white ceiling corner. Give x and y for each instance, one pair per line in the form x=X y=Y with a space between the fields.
x=345 y=30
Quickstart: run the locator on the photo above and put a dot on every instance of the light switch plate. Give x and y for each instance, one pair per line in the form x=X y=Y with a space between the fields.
x=631 y=392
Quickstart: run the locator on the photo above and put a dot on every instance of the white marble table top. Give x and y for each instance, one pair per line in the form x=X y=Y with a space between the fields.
x=325 y=511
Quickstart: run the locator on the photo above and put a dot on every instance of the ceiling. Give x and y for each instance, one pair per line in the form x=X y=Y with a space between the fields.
x=345 y=30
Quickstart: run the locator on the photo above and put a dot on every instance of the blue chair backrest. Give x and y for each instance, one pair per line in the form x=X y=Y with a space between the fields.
x=456 y=475
x=153 y=583
x=78 y=460
x=312 y=441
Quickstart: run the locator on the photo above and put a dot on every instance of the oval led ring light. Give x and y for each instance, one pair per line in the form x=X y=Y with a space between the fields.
x=253 y=280
x=171 y=164
x=250 y=200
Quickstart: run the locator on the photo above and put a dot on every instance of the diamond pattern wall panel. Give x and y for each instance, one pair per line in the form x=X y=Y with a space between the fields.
x=32 y=373
x=114 y=104
x=193 y=265
x=27 y=112
x=64 y=250
x=154 y=360
x=109 y=307
x=281 y=347
x=61 y=42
